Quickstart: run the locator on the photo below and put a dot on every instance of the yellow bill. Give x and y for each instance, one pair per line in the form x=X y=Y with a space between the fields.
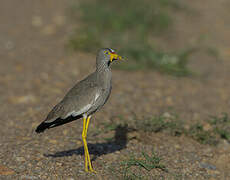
x=114 y=56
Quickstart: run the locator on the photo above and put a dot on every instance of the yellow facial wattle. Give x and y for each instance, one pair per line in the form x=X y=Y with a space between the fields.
x=115 y=56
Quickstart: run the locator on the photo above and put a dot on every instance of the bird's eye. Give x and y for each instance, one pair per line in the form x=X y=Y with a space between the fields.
x=106 y=52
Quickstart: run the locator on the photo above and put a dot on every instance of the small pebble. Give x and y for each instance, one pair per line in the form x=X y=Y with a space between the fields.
x=37 y=21
x=49 y=30
x=207 y=166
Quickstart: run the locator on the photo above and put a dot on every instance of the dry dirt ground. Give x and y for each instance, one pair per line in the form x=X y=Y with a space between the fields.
x=36 y=71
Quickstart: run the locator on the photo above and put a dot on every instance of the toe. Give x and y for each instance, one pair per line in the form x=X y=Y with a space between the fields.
x=92 y=171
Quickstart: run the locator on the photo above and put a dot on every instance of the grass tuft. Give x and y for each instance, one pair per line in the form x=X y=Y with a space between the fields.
x=145 y=162
x=198 y=133
x=163 y=123
x=221 y=125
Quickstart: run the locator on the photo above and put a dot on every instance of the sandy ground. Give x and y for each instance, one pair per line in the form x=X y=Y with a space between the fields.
x=36 y=71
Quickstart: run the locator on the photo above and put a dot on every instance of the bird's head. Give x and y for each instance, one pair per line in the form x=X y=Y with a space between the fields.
x=106 y=56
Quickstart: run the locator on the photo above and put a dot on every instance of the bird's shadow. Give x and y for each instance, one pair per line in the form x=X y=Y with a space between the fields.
x=118 y=143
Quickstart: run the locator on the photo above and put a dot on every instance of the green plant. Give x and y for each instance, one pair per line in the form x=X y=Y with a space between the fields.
x=129 y=26
x=161 y=123
x=221 y=125
x=145 y=162
x=198 y=133
x=219 y=128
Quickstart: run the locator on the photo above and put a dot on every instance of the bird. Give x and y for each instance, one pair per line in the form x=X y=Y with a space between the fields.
x=84 y=99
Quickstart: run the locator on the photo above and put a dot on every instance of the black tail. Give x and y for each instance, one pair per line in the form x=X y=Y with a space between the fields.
x=46 y=125
x=42 y=127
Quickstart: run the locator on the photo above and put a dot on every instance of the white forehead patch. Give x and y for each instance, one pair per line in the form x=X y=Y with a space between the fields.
x=112 y=51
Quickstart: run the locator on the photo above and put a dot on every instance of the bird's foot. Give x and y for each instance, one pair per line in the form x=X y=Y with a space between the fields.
x=92 y=171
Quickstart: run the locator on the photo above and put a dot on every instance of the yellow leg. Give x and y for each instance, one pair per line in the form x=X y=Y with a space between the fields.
x=85 y=144
x=89 y=161
x=84 y=135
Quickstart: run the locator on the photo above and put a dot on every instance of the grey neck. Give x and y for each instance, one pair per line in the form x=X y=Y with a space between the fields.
x=104 y=74
x=102 y=67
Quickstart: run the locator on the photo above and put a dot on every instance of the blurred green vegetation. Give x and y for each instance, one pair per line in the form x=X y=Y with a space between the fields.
x=214 y=129
x=169 y=124
x=202 y=135
x=210 y=132
x=129 y=26
x=221 y=125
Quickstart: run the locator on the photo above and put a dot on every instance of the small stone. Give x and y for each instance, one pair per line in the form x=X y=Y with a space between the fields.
x=167 y=115
x=177 y=146
x=187 y=127
x=20 y=159
x=59 y=164
x=25 y=138
x=28 y=177
x=207 y=127
x=53 y=141
x=169 y=101
x=207 y=166
x=213 y=172
x=61 y=62
x=70 y=178
x=78 y=142
x=37 y=21
x=59 y=20
x=133 y=135
x=9 y=45
x=65 y=132
x=224 y=146
x=75 y=72
x=21 y=168
x=59 y=84
x=44 y=76
x=19 y=68
x=39 y=164
x=158 y=93
x=212 y=178
x=22 y=99
x=6 y=171
x=49 y=30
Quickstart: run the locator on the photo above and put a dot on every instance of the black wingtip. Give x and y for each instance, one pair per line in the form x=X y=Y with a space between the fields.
x=42 y=127
x=46 y=125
